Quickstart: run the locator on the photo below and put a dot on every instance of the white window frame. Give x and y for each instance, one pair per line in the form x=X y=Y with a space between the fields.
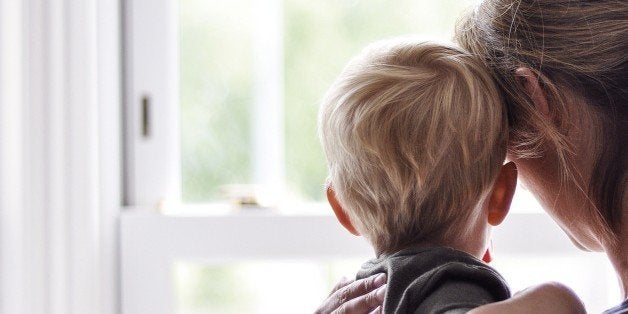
x=151 y=76
x=151 y=242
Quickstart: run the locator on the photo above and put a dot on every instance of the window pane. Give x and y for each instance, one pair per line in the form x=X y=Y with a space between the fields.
x=217 y=77
x=216 y=63
x=256 y=287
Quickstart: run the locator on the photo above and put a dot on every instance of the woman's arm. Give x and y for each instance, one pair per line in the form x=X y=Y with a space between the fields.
x=351 y=296
x=551 y=297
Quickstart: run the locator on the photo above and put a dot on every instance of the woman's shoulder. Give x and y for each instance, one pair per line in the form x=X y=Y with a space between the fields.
x=550 y=297
x=620 y=309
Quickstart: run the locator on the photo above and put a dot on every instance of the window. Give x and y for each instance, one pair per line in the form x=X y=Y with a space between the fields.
x=222 y=100
x=233 y=92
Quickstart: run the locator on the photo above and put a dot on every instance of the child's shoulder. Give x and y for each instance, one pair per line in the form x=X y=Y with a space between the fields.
x=436 y=278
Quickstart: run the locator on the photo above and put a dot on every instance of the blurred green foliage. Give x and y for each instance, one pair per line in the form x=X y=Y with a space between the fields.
x=215 y=95
x=211 y=289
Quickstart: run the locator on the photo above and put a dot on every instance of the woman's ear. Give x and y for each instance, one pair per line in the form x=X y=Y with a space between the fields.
x=530 y=82
x=340 y=213
x=501 y=196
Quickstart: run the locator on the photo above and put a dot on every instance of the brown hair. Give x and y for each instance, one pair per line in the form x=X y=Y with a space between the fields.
x=414 y=134
x=576 y=46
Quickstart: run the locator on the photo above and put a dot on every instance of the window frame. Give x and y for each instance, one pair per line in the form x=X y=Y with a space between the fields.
x=152 y=176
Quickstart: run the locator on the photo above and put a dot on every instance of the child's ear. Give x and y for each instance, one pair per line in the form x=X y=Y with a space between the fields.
x=528 y=80
x=341 y=215
x=502 y=193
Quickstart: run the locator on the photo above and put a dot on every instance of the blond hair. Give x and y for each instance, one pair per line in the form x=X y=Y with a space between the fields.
x=414 y=134
x=578 y=50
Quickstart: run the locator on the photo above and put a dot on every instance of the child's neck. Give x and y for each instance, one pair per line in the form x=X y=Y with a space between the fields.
x=429 y=245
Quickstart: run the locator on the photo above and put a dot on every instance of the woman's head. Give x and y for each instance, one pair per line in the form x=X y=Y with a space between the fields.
x=575 y=52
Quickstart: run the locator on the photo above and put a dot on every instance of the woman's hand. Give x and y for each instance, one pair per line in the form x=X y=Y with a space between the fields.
x=351 y=296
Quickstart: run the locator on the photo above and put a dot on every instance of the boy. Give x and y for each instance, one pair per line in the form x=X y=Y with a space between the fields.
x=415 y=138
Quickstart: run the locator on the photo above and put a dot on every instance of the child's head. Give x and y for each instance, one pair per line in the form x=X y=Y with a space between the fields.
x=415 y=137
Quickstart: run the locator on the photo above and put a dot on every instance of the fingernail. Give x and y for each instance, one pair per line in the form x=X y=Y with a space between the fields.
x=380 y=280
x=377 y=310
x=381 y=293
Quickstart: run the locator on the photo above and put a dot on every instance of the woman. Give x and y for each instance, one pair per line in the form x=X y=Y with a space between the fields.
x=562 y=67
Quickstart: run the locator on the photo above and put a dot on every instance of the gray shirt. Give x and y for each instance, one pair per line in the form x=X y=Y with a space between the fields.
x=436 y=280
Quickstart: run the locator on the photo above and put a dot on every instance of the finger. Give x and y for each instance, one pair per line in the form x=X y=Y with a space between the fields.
x=343 y=282
x=363 y=304
x=356 y=289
